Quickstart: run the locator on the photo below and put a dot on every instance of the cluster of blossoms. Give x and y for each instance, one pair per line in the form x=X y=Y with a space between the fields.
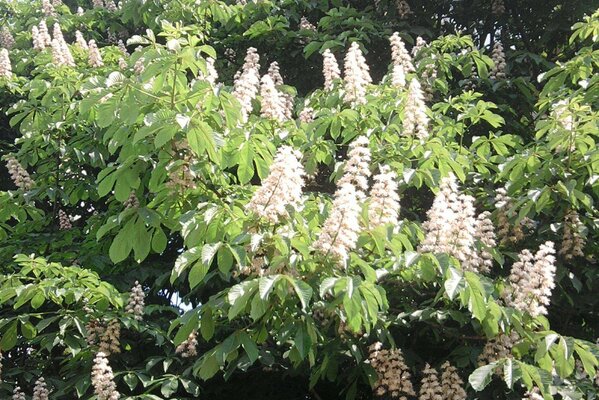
x=330 y=69
x=384 y=200
x=6 y=39
x=135 y=305
x=420 y=44
x=429 y=75
x=415 y=121
x=17 y=394
x=188 y=348
x=498 y=348
x=399 y=54
x=18 y=174
x=80 y=40
x=123 y=49
x=107 y=337
x=48 y=8
x=5 y=66
x=281 y=188
x=357 y=168
x=532 y=280
x=393 y=376
x=430 y=388
x=356 y=76
x=498 y=7
x=95 y=58
x=40 y=390
x=272 y=104
x=211 y=75
x=453 y=228
x=275 y=73
x=451 y=383
x=247 y=82
x=41 y=36
x=61 y=55
x=64 y=222
x=573 y=240
x=306 y=25
x=505 y=231
x=306 y=115
x=403 y=9
x=103 y=379
x=132 y=201
x=179 y=171
x=499 y=65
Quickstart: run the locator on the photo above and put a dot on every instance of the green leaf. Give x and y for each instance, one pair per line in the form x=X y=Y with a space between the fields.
x=197 y=274
x=9 y=338
x=28 y=330
x=481 y=376
x=249 y=346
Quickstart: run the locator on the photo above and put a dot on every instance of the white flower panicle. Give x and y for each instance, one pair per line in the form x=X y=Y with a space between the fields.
x=403 y=9
x=451 y=383
x=384 y=200
x=40 y=390
x=505 y=231
x=399 y=53
x=440 y=217
x=415 y=122
x=48 y=8
x=499 y=65
x=17 y=394
x=573 y=240
x=5 y=65
x=123 y=63
x=110 y=5
x=57 y=3
x=306 y=25
x=94 y=331
x=211 y=73
x=393 y=375
x=398 y=77
x=485 y=234
x=463 y=231
x=272 y=104
x=275 y=73
x=307 y=115
x=80 y=11
x=281 y=188
x=44 y=33
x=110 y=342
x=357 y=168
x=139 y=67
x=420 y=44
x=57 y=32
x=188 y=348
x=330 y=69
x=38 y=42
x=498 y=7
x=532 y=281
x=81 y=42
x=18 y=174
x=95 y=58
x=247 y=82
x=98 y=3
x=6 y=39
x=136 y=301
x=123 y=48
x=356 y=75
x=64 y=222
x=429 y=75
x=497 y=348
x=430 y=388
x=61 y=55
x=132 y=201
x=103 y=379
x=339 y=233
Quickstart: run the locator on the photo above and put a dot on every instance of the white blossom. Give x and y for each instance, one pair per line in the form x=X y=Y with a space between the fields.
x=211 y=73
x=18 y=174
x=330 y=69
x=420 y=44
x=403 y=9
x=5 y=66
x=415 y=122
x=306 y=115
x=44 y=34
x=306 y=25
x=499 y=65
x=80 y=40
x=188 y=348
x=430 y=388
x=357 y=168
x=275 y=73
x=135 y=305
x=272 y=104
x=247 y=82
x=17 y=394
x=64 y=221
x=110 y=342
x=48 y=8
x=398 y=77
x=40 y=391
x=451 y=383
x=282 y=187
x=95 y=58
x=123 y=48
x=356 y=76
x=6 y=39
x=485 y=234
x=103 y=379
x=80 y=11
x=384 y=200
x=393 y=375
x=399 y=53
x=573 y=240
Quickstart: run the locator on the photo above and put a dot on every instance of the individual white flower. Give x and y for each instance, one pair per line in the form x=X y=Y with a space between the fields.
x=384 y=200
x=272 y=104
x=6 y=39
x=64 y=221
x=247 y=82
x=399 y=53
x=136 y=304
x=18 y=174
x=499 y=65
x=340 y=230
x=430 y=388
x=102 y=379
x=330 y=69
x=398 y=77
x=356 y=76
x=40 y=391
x=532 y=281
x=415 y=122
x=573 y=241
x=403 y=9
x=393 y=375
x=5 y=66
x=80 y=40
x=95 y=58
x=357 y=167
x=282 y=187
x=451 y=383
x=188 y=348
